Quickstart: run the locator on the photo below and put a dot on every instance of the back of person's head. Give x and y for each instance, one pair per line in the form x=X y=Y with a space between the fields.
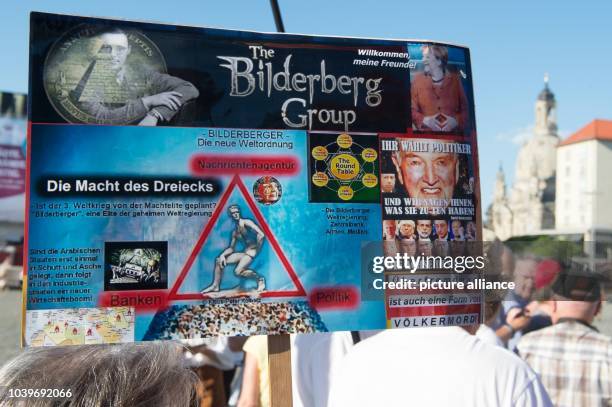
x=138 y=374
x=577 y=293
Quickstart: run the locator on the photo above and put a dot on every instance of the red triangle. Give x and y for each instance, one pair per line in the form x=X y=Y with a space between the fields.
x=236 y=181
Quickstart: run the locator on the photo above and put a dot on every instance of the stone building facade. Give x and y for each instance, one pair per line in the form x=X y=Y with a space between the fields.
x=529 y=206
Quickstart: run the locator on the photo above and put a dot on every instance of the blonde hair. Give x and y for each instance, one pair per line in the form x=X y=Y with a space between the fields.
x=439 y=51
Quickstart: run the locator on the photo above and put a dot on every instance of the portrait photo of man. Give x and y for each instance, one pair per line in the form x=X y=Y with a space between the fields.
x=389 y=229
x=441 y=247
x=389 y=237
x=428 y=176
x=405 y=230
x=424 y=229
x=111 y=76
x=387 y=182
x=441 y=228
x=458 y=231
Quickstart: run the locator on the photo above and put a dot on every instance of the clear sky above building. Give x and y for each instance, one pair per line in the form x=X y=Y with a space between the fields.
x=512 y=45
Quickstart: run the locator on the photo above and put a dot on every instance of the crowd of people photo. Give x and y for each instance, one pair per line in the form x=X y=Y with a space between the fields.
x=235 y=319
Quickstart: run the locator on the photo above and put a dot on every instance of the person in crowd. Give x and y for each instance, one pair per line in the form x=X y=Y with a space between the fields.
x=213 y=359
x=314 y=358
x=539 y=309
x=131 y=374
x=573 y=360
x=255 y=390
x=514 y=315
x=434 y=366
x=485 y=333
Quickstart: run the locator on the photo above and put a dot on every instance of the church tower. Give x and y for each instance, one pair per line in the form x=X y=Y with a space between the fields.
x=532 y=200
x=546 y=111
x=530 y=206
x=500 y=185
x=500 y=215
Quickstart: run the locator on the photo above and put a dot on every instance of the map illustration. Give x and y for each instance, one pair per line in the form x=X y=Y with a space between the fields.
x=80 y=326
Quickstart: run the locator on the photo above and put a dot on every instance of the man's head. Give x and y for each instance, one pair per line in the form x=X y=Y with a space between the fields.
x=115 y=43
x=427 y=174
x=387 y=182
x=423 y=228
x=582 y=310
x=389 y=229
x=577 y=294
x=524 y=276
x=234 y=212
x=406 y=228
x=457 y=232
x=268 y=190
x=441 y=228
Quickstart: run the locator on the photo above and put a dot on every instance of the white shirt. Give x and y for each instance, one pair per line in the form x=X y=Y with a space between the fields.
x=487 y=335
x=313 y=360
x=444 y=366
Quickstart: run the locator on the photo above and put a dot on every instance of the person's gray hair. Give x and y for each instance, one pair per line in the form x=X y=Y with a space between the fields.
x=406 y=222
x=133 y=374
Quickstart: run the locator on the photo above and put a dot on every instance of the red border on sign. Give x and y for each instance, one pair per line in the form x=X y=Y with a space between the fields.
x=236 y=182
x=433 y=310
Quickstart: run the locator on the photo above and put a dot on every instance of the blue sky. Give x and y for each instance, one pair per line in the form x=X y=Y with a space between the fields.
x=512 y=44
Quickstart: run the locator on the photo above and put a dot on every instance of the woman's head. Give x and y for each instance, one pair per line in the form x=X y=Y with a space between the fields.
x=435 y=56
x=134 y=374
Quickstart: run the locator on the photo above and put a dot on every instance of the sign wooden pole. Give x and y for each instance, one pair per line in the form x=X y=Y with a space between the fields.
x=279 y=346
x=279 y=363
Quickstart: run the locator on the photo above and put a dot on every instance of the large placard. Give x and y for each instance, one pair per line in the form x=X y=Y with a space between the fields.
x=188 y=182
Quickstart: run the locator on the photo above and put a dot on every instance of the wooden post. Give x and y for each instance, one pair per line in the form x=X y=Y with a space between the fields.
x=279 y=362
x=279 y=346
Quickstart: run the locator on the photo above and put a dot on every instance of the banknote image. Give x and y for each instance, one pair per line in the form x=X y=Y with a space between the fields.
x=106 y=75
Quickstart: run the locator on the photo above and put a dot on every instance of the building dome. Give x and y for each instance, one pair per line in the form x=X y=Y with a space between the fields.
x=532 y=198
x=546 y=94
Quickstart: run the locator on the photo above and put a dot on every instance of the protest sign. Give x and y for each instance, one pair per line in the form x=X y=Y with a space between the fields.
x=188 y=182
